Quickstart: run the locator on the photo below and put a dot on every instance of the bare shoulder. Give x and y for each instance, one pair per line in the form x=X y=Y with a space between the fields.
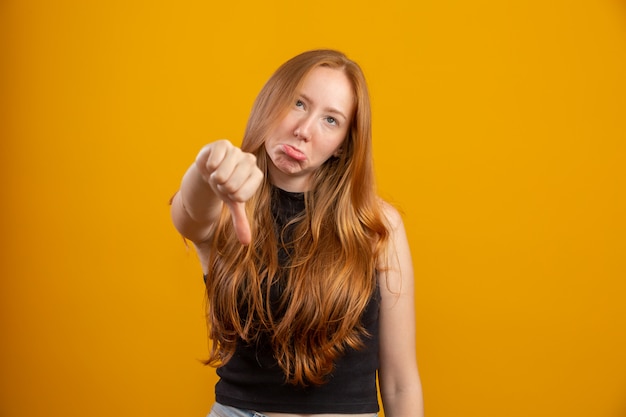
x=391 y=215
x=203 y=249
x=395 y=261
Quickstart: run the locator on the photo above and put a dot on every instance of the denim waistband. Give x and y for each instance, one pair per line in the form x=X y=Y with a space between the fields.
x=220 y=410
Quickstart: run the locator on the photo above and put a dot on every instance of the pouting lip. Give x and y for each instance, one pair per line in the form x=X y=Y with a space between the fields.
x=293 y=152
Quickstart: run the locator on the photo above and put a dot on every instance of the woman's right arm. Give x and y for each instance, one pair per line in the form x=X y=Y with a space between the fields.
x=221 y=174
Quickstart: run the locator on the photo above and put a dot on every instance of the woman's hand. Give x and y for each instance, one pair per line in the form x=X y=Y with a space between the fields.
x=234 y=177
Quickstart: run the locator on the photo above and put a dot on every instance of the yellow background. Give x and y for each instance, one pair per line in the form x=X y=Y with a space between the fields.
x=499 y=131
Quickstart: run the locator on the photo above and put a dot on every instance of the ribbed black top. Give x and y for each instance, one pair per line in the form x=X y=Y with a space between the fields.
x=253 y=380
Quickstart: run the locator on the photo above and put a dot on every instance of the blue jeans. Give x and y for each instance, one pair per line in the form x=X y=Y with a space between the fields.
x=220 y=410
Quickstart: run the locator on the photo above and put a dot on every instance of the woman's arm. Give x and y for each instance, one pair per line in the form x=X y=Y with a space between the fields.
x=221 y=174
x=400 y=384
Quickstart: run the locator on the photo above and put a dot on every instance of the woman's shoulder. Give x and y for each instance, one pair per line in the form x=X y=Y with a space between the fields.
x=391 y=214
x=203 y=250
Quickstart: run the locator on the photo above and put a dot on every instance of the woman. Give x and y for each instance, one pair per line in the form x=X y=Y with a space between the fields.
x=308 y=273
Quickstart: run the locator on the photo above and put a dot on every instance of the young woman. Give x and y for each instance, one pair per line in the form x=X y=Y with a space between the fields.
x=308 y=273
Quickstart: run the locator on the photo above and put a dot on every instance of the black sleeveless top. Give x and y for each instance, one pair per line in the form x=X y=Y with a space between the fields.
x=253 y=380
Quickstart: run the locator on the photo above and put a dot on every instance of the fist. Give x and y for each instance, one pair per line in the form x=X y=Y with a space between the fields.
x=234 y=177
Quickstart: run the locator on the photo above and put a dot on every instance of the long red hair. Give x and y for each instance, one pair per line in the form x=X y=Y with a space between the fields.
x=332 y=273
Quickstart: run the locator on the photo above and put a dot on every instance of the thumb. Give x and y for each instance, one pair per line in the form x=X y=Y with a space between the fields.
x=240 y=221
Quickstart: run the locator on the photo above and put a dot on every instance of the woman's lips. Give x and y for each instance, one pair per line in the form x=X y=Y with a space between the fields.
x=293 y=153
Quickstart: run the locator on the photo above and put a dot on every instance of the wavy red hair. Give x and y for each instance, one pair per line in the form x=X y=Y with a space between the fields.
x=339 y=239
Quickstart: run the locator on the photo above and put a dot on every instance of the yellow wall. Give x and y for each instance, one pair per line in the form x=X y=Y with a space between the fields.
x=499 y=130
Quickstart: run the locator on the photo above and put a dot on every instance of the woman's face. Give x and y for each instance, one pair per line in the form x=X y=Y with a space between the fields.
x=312 y=130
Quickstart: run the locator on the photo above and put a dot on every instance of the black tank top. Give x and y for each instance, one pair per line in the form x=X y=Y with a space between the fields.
x=253 y=380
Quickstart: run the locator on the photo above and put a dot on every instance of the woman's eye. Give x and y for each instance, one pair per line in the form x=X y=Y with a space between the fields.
x=299 y=103
x=331 y=120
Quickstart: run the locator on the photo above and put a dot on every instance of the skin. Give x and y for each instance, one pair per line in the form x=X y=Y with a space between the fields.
x=311 y=131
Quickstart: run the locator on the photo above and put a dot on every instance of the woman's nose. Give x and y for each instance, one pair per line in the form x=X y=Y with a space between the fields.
x=303 y=129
